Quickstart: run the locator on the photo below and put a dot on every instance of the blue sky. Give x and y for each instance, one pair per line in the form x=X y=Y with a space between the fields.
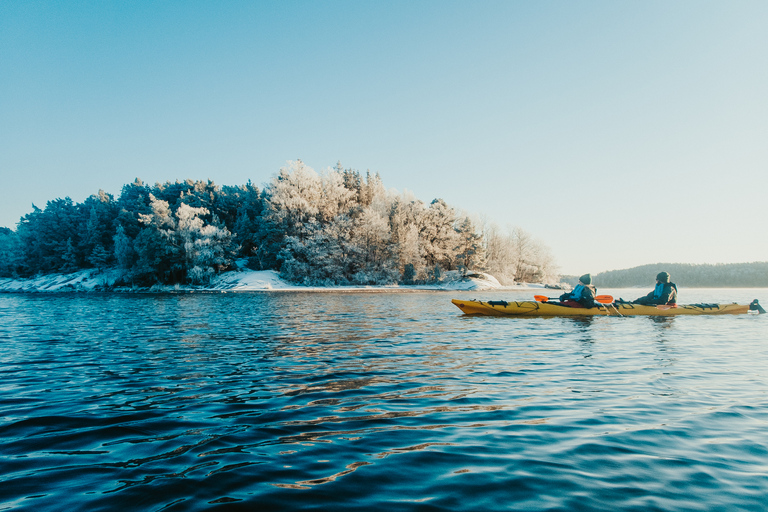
x=617 y=133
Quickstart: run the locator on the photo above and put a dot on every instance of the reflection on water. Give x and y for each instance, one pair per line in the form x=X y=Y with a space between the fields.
x=376 y=401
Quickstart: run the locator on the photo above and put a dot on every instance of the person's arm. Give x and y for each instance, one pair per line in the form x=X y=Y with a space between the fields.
x=645 y=299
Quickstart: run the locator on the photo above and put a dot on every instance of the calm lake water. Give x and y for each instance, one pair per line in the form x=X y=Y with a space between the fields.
x=376 y=401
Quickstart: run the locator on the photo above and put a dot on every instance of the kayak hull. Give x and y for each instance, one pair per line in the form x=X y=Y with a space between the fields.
x=537 y=309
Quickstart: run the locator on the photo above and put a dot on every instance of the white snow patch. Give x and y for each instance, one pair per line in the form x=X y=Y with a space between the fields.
x=84 y=280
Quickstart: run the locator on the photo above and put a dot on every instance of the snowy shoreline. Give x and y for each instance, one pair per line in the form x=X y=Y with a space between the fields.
x=237 y=281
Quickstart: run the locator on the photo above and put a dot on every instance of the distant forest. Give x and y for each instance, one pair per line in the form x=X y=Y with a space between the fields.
x=725 y=275
x=336 y=227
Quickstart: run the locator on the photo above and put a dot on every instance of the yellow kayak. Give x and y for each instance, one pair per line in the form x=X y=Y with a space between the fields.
x=533 y=308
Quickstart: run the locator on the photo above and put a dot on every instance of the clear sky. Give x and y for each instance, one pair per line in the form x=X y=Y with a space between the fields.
x=617 y=133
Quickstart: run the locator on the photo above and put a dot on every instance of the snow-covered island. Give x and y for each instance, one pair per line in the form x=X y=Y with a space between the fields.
x=339 y=229
x=237 y=281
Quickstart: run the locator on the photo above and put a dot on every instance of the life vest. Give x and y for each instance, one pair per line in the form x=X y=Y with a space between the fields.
x=576 y=293
x=658 y=291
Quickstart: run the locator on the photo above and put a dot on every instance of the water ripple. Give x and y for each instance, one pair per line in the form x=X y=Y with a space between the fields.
x=384 y=402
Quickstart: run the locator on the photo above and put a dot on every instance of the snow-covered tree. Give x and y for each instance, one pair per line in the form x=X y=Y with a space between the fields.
x=290 y=204
x=500 y=257
x=182 y=246
x=470 y=250
x=437 y=235
x=159 y=256
x=517 y=256
x=404 y=228
x=207 y=248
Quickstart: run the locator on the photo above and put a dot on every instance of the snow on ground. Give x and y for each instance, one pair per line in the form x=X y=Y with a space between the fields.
x=237 y=281
x=84 y=280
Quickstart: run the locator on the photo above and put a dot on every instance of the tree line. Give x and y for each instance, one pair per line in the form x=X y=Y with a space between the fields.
x=723 y=275
x=332 y=228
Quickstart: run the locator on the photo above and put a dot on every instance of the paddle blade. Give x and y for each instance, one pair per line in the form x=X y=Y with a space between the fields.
x=540 y=298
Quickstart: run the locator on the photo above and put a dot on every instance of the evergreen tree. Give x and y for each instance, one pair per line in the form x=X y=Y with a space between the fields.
x=69 y=259
x=246 y=227
x=124 y=253
x=49 y=238
x=10 y=253
x=470 y=252
x=99 y=257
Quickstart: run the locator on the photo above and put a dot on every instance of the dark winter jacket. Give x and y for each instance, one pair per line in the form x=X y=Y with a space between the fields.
x=584 y=294
x=664 y=293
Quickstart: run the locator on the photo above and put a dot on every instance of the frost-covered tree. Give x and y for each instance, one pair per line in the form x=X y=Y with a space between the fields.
x=335 y=199
x=323 y=257
x=159 y=258
x=404 y=227
x=290 y=205
x=373 y=246
x=298 y=205
x=533 y=260
x=334 y=225
x=207 y=248
x=500 y=257
x=515 y=255
x=470 y=250
x=182 y=246
x=437 y=236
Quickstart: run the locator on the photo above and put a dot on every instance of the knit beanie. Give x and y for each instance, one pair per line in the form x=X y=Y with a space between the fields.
x=662 y=277
x=585 y=279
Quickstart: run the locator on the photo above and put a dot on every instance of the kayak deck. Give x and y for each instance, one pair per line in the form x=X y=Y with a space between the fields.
x=533 y=308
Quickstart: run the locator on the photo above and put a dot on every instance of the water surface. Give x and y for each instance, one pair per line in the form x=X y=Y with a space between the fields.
x=349 y=401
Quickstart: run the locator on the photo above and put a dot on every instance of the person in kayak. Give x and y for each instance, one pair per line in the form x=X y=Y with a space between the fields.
x=665 y=292
x=583 y=296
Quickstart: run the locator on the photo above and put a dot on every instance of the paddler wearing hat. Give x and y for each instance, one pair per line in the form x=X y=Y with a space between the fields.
x=583 y=296
x=665 y=292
